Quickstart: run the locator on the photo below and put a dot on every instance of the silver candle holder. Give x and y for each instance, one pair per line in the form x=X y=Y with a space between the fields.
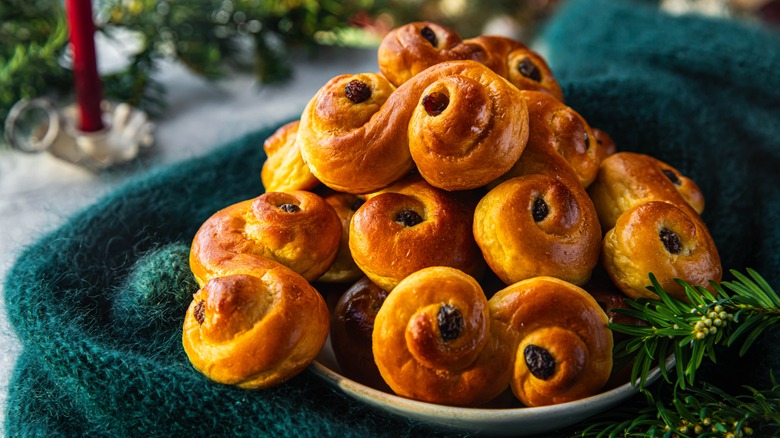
x=37 y=125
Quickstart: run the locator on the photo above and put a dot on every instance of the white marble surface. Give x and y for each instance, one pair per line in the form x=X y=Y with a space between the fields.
x=39 y=192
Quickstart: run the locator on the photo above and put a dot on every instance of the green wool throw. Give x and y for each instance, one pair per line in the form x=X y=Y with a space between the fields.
x=99 y=303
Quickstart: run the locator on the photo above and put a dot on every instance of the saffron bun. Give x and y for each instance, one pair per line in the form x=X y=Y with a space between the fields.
x=560 y=143
x=458 y=122
x=343 y=269
x=663 y=239
x=412 y=225
x=255 y=330
x=559 y=338
x=344 y=136
x=408 y=50
x=627 y=179
x=256 y=320
x=297 y=229
x=537 y=225
x=468 y=128
x=433 y=340
x=351 y=328
x=284 y=168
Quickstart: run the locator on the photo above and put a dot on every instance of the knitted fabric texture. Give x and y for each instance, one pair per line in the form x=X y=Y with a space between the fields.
x=98 y=304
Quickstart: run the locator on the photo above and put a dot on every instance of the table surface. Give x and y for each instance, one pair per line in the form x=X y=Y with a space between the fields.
x=39 y=192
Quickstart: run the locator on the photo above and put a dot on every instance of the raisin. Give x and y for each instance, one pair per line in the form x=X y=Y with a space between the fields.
x=408 y=218
x=429 y=35
x=200 y=312
x=586 y=139
x=672 y=177
x=450 y=322
x=527 y=68
x=539 y=361
x=671 y=240
x=435 y=103
x=540 y=210
x=290 y=208
x=357 y=91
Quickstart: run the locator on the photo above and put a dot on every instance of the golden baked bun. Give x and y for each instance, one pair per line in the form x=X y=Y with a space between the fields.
x=351 y=328
x=345 y=139
x=528 y=70
x=344 y=269
x=453 y=121
x=538 y=225
x=663 y=239
x=626 y=180
x=557 y=131
x=410 y=226
x=284 y=169
x=468 y=128
x=560 y=339
x=255 y=331
x=433 y=340
x=408 y=50
x=297 y=229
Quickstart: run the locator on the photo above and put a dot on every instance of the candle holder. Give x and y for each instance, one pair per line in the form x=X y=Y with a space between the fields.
x=36 y=125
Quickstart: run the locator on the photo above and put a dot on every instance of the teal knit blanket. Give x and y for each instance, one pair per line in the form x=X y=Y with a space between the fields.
x=98 y=304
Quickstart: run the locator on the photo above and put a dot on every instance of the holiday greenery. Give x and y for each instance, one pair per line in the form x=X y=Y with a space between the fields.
x=208 y=36
x=690 y=330
x=700 y=411
x=733 y=316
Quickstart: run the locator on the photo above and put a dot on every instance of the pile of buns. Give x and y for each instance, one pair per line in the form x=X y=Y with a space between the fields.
x=458 y=209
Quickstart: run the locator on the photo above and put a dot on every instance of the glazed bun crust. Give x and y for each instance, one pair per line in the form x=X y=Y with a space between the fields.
x=461 y=124
x=343 y=135
x=557 y=127
x=626 y=180
x=284 y=168
x=432 y=340
x=663 y=239
x=526 y=69
x=410 y=49
x=297 y=229
x=537 y=225
x=232 y=328
x=476 y=138
x=410 y=226
x=560 y=335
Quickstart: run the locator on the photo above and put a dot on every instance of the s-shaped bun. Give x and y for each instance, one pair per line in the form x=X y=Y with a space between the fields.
x=560 y=339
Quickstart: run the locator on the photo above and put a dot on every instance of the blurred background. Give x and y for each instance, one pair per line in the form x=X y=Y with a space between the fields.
x=217 y=38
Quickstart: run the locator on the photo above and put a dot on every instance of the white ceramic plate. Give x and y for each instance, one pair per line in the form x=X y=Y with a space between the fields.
x=520 y=421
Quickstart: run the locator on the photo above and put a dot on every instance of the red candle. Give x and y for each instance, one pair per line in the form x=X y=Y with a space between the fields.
x=88 y=89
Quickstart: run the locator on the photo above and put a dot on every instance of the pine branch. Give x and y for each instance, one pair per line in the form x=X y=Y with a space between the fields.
x=704 y=411
x=690 y=331
x=735 y=313
x=207 y=36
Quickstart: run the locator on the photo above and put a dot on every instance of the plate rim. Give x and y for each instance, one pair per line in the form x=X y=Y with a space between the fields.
x=478 y=419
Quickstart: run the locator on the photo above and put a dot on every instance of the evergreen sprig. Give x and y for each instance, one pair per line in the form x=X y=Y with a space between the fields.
x=33 y=36
x=699 y=411
x=206 y=36
x=690 y=330
x=733 y=313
